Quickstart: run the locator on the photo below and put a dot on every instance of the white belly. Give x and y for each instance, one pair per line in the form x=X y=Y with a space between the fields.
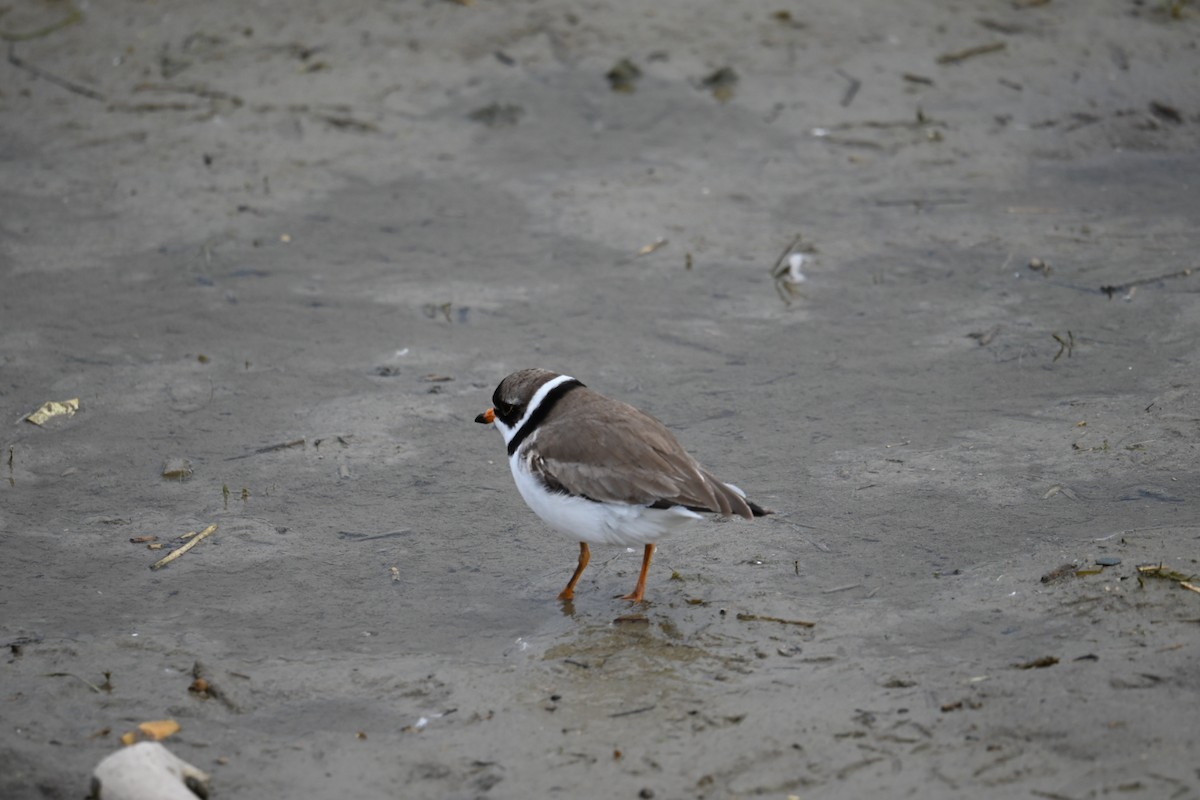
x=584 y=520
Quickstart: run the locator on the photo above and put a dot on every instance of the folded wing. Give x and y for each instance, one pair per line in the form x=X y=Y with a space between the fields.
x=623 y=455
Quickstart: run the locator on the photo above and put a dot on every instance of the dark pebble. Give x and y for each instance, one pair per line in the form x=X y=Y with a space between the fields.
x=1108 y=561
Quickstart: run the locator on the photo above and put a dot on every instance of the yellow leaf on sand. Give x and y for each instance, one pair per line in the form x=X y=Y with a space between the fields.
x=52 y=409
x=159 y=729
x=154 y=731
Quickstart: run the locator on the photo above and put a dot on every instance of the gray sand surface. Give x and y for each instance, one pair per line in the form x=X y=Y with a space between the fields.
x=336 y=226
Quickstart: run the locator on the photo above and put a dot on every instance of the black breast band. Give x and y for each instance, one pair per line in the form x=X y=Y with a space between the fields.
x=539 y=413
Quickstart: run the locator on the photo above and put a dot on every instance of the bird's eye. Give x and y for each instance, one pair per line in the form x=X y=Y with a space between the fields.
x=505 y=409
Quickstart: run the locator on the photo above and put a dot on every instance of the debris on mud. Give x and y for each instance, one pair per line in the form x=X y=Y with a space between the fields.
x=1038 y=663
x=152 y=731
x=787 y=268
x=497 y=115
x=744 y=617
x=623 y=76
x=177 y=469
x=51 y=409
x=192 y=540
x=721 y=83
x=970 y=52
x=1159 y=571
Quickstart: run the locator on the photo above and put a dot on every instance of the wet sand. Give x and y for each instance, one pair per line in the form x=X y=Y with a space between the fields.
x=335 y=227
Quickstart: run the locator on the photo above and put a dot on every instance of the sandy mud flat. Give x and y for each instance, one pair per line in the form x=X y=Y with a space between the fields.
x=283 y=253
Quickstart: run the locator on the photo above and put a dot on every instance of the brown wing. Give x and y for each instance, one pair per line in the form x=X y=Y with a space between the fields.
x=610 y=451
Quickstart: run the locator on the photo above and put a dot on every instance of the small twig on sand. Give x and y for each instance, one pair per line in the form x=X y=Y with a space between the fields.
x=1160 y=571
x=633 y=711
x=985 y=337
x=970 y=52
x=269 y=449
x=845 y=588
x=174 y=554
x=1110 y=290
x=85 y=681
x=70 y=86
x=761 y=618
x=851 y=90
x=1038 y=663
x=71 y=18
x=650 y=248
x=1066 y=345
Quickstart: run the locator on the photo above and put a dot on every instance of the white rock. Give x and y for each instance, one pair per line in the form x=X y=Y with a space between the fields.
x=147 y=771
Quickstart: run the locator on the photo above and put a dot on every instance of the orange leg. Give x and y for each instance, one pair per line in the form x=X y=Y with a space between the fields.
x=640 y=590
x=585 y=555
